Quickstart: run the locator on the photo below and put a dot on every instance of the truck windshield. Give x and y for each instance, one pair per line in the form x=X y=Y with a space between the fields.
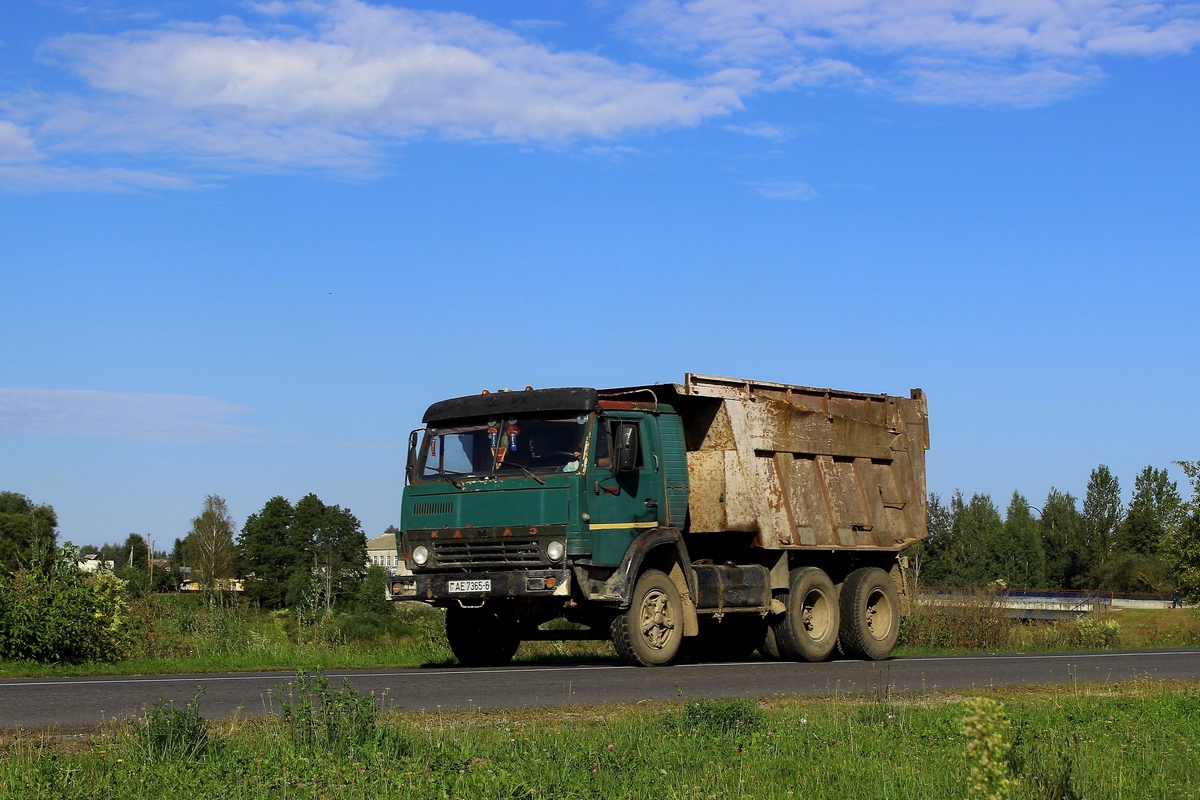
x=496 y=447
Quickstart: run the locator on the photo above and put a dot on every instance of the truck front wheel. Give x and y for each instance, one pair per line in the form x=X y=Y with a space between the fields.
x=650 y=631
x=870 y=614
x=809 y=628
x=481 y=637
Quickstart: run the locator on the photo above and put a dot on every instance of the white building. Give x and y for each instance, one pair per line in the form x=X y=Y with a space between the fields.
x=93 y=563
x=381 y=552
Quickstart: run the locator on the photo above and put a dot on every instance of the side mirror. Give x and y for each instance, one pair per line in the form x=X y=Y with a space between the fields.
x=626 y=447
x=413 y=438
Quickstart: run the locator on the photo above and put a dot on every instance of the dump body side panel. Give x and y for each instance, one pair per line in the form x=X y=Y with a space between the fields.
x=802 y=467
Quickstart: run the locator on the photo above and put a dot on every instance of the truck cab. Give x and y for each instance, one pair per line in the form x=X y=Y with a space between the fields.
x=521 y=506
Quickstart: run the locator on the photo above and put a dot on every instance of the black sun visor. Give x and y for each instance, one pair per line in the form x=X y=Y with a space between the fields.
x=511 y=404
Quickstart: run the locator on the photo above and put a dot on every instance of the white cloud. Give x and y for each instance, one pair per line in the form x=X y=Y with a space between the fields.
x=784 y=189
x=16 y=145
x=762 y=130
x=1018 y=52
x=119 y=415
x=362 y=79
x=337 y=85
x=40 y=176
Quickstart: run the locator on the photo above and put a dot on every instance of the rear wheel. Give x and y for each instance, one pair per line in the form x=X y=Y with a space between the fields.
x=809 y=628
x=870 y=608
x=481 y=637
x=650 y=631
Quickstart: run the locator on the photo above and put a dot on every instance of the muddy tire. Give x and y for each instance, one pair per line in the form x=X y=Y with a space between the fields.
x=870 y=614
x=809 y=628
x=481 y=637
x=651 y=630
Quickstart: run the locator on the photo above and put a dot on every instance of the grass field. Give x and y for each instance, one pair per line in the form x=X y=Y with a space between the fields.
x=175 y=634
x=1131 y=741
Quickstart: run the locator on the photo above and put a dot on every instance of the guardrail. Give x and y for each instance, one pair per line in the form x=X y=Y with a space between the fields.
x=1033 y=604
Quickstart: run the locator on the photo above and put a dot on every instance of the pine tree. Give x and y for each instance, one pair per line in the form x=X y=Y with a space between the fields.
x=1025 y=565
x=977 y=536
x=1102 y=516
x=936 y=554
x=1155 y=508
x=1138 y=564
x=1062 y=541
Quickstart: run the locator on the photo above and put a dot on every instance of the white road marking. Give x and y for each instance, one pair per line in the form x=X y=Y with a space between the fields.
x=282 y=677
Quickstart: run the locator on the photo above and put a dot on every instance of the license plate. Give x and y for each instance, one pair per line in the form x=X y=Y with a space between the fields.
x=470 y=586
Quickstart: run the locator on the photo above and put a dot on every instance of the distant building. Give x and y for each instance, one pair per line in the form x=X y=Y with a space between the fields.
x=93 y=563
x=381 y=552
x=233 y=585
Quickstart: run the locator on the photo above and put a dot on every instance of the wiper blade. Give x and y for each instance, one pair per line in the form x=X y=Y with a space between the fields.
x=526 y=470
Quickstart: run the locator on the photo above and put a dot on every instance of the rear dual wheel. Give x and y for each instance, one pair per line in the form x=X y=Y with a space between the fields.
x=809 y=628
x=870 y=607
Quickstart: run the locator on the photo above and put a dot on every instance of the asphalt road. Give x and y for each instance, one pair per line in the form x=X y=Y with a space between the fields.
x=81 y=703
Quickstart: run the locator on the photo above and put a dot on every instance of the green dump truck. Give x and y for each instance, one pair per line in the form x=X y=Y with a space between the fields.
x=713 y=517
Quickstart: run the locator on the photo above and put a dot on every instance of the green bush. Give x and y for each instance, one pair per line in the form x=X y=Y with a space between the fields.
x=372 y=594
x=1098 y=633
x=318 y=718
x=56 y=613
x=165 y=732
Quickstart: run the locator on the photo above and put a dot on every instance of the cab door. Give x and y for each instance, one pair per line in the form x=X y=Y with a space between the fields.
x=622 y=503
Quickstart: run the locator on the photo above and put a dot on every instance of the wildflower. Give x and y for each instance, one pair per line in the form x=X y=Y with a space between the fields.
x=610 y=747
x=986 y=729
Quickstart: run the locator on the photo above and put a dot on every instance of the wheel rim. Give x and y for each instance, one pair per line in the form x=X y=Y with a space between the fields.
x=817 y=615
x=880 y=615
x=658 y=623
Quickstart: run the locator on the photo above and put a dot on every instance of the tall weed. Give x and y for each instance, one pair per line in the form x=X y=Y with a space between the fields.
x=317 y=717
x=166 y=732
x=969 y=620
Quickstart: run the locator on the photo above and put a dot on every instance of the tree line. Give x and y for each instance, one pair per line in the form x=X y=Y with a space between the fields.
x=309 y=554
x=1152 y=545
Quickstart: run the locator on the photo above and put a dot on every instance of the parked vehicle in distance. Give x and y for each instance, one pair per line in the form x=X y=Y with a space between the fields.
x=721 y=515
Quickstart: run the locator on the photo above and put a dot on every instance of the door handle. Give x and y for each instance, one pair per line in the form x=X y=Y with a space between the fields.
x=651 y=504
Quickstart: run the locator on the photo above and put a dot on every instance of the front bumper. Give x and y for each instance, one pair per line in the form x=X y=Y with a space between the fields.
x=525 y=583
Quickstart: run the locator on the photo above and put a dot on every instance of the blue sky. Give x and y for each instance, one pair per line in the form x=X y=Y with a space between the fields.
x=243 y=245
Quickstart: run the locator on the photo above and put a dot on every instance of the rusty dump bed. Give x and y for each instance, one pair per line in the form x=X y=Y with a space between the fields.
x=804 y=468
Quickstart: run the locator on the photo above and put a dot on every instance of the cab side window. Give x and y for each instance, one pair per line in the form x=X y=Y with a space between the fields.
x=606 y=432
x=603 y=446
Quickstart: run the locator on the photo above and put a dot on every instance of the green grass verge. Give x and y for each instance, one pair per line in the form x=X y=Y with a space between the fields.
x=1130 y=741
x=177 y=635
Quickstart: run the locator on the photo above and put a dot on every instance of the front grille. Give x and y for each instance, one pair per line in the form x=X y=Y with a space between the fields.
x=483 y=552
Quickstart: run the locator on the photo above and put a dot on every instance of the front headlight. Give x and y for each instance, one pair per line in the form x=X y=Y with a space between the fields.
x=420 y=555
x=555 y=550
